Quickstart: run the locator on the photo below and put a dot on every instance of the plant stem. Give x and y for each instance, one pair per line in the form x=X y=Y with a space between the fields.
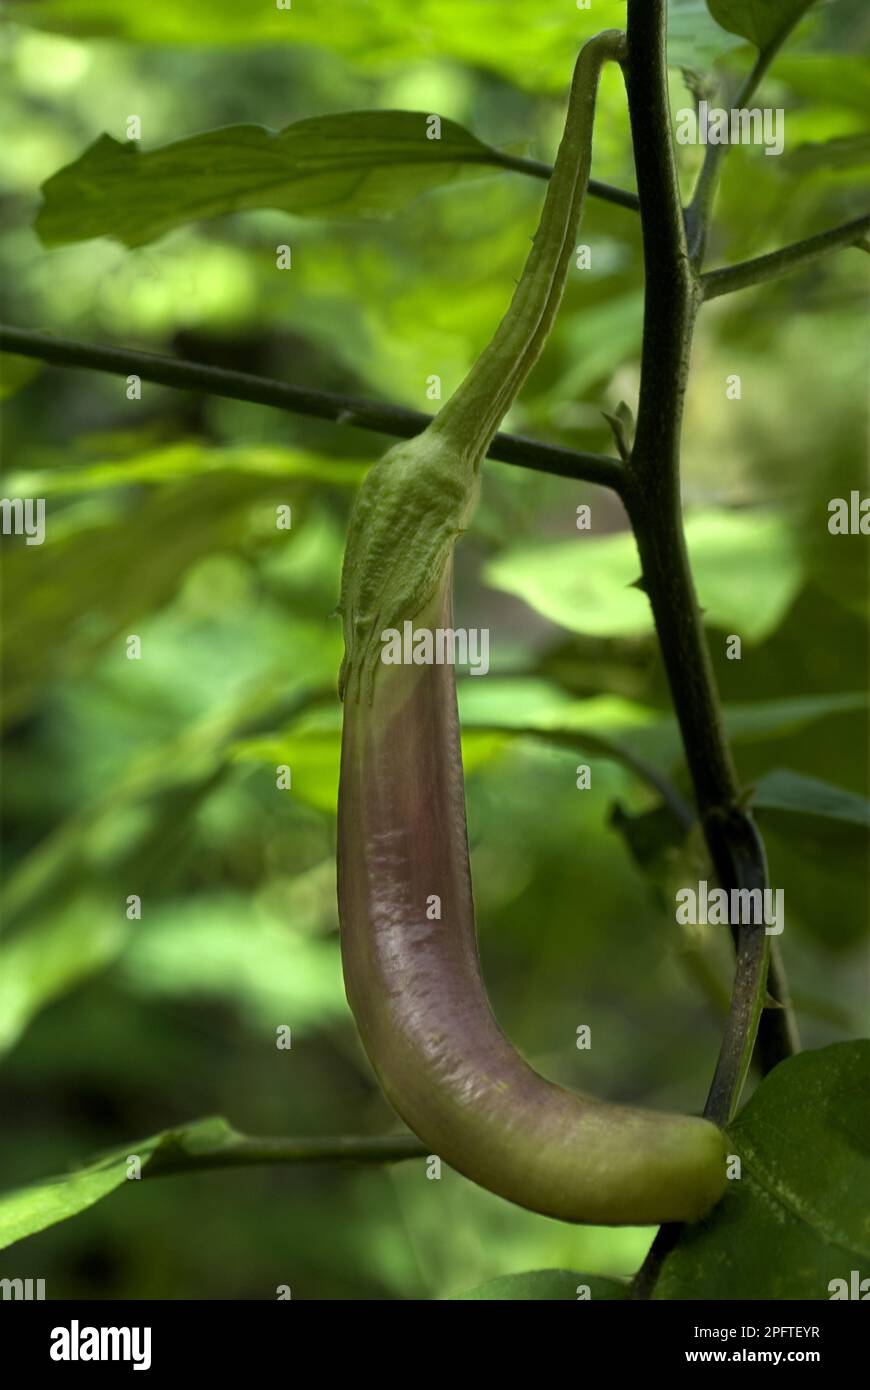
x=250 y=1153
x=738 y=277
x=652 y=491
x=363 y=414
x=652 y=496
x=701 y=206
x=645 y=1280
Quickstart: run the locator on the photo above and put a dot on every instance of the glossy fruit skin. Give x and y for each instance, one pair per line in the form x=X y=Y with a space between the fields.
x=417 y=994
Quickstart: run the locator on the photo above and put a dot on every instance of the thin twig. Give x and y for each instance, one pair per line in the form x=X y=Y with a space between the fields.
x=739 y=277
x=606 y=192
x=609 y=749
x=245 y=1152
x=362 y=414
x=701 y=205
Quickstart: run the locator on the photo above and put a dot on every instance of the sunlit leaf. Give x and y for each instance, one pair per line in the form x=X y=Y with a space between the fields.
x=40 y=962
x=746 y=570
x=355 y=164
x=383 y=33
x=146 y=540
x=314 y=757
x=187 y=458
x=314 y=760
x=31 y=1209
x=512 y=704
x=159 y=781
x=226 y=947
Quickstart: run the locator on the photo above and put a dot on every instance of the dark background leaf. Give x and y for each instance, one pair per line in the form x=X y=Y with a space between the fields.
x=760 y=21
x=797 y=1218
x=546 y=1284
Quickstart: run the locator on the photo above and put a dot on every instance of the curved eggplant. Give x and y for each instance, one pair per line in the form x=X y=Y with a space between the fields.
x=412 y=974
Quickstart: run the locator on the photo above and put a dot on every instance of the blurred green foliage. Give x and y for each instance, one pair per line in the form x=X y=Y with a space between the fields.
x=157 y=777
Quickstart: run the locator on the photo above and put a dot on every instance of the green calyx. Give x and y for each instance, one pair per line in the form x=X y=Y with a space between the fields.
x=414 y=504
x=418 y=499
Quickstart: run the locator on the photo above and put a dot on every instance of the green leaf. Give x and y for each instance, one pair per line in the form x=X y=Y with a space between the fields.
x=843 y=152
x=537 y=706
x=821 y=867
x=763 y=719
x=270 y=959
x=384 y=33
x=546 y=1284
x=355 y=164
x=764 y=22
x=746 y=567
x=40 y=962
x=177 y=526
x=784 y=790
x=314 y=757
x=529 y=707
x=797 y=1218
x=596 y=342
x=30 y=1209
x=807 y=823
x=829 y=80
x=186 y=458
x=16 y=372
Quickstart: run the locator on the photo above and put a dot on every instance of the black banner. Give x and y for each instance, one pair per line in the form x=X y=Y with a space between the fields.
x=86 y=1339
